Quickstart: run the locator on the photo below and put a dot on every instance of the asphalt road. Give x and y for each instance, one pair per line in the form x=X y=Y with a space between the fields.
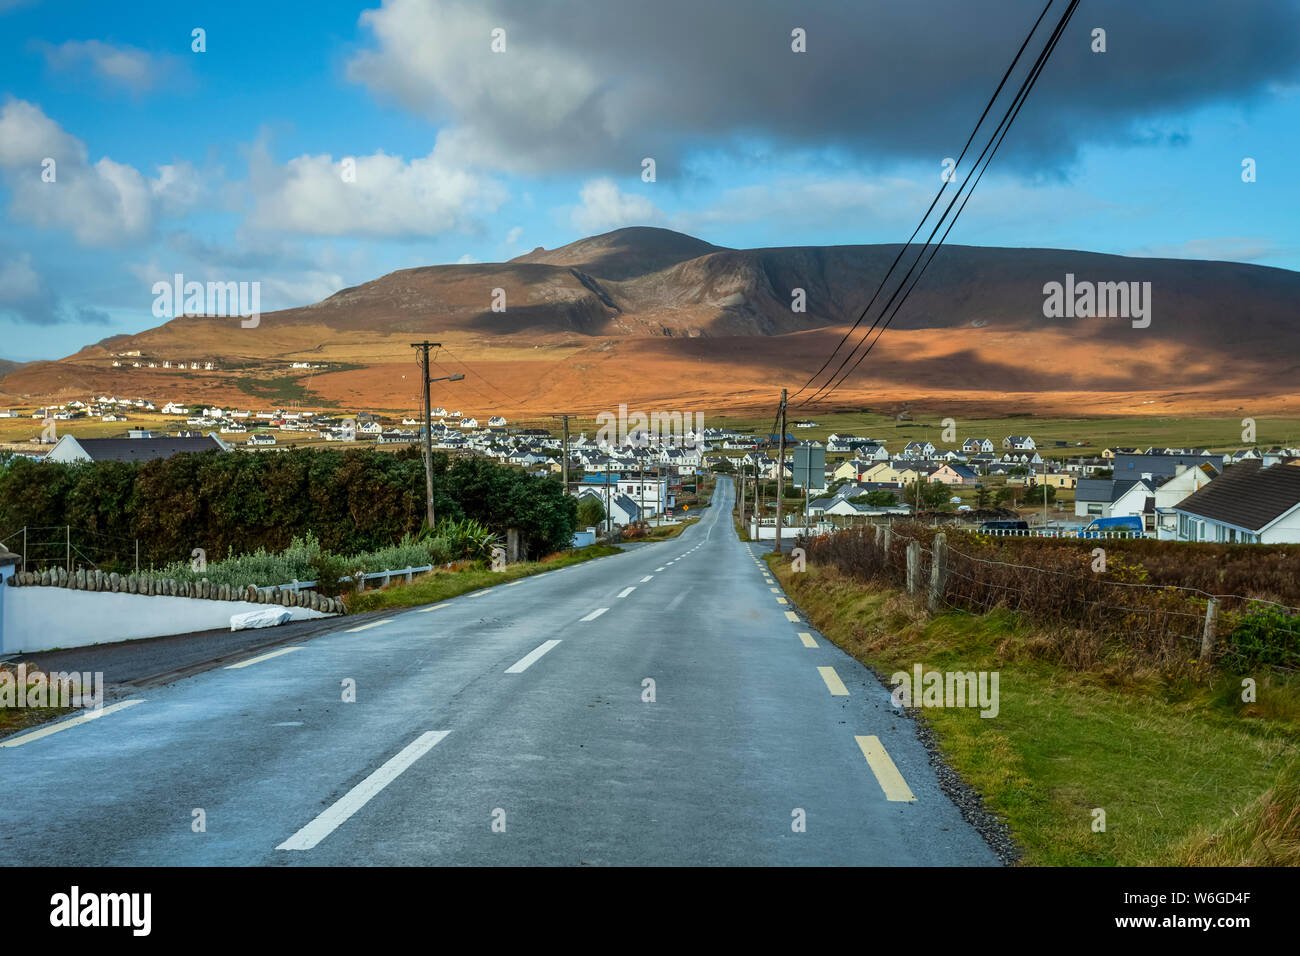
x=509 y=726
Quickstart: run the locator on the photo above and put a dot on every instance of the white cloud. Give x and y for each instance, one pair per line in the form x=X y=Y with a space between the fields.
x=128 y=67
x=604 y=207
x=537 y=103
x=19 y=282
x=513 y=235
x=466 y=260
x=1224 y=248
x=388 y=196
x=100 y=203
x=27 y=296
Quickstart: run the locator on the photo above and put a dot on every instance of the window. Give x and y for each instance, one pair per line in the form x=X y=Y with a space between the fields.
x=1094 y=509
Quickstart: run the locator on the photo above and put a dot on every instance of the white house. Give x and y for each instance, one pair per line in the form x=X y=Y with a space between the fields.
x=1019 y=442
x=1247 y=503
x=1108 y=498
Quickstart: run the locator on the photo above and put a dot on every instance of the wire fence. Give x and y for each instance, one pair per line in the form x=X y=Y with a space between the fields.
x=54 y=546
x=1164 y=625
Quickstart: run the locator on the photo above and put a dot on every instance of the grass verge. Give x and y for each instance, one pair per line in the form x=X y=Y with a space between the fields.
x=1186 y=772
x=441 y=585
x=664 y=532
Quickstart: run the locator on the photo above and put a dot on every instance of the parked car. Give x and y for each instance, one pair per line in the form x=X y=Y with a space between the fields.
x=1099 y=526
x=1005 y=526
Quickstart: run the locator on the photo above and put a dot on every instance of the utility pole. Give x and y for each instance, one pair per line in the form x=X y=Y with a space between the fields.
x=743 y=520
x=428 y=420
x=1044 y=496
x=780 y=472
x=564 y=464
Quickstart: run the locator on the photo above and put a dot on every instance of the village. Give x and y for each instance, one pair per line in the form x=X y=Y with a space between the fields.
x=1007 y=486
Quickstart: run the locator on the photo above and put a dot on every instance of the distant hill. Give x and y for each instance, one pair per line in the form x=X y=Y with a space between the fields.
x=653 y=302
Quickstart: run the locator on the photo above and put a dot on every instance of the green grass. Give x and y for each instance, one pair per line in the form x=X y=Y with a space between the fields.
x=1126 y=431
x=1181 y=768
x=664 y=532
x=280 y=389
x=441 y=585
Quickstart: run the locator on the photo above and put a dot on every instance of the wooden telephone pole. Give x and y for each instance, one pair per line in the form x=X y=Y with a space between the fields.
x=780 y=471
x=428 y=419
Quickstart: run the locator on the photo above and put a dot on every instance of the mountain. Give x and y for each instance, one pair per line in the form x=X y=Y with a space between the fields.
x=648 y=313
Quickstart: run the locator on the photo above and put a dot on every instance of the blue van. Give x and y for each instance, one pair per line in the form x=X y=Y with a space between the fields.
x=1121 y=523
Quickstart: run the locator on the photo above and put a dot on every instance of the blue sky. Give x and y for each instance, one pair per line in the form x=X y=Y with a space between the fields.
x=226 y=164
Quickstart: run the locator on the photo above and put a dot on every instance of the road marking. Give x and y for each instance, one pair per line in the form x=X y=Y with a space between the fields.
x=513 y=583
x=527 y=661
x=658 y=569
x=426 y=610
x=791 y=616
x=807 y=639
x=356 y=798
x=264 y=657
x=775 y=590
x=887 y=775
x=70 y=723
x=593 y=615
x=646 y=578
x=366 y=627
x=478 y=593
x=833 y=682
x=782 y=600
x=626 y=591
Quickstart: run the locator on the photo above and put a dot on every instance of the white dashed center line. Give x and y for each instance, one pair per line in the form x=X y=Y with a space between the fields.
x=263 y=657
x=593 y=615
x=527 y=661
x=362 y=793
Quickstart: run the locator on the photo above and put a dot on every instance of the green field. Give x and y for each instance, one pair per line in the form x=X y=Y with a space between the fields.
x=1218 y=434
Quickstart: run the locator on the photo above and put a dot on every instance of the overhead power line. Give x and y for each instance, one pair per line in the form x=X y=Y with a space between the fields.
x=994 y=140
x=999 y=134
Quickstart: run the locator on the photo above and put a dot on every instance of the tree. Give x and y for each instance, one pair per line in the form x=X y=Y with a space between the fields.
x=1034 y=496
x=982 y=497
x=591 y=512
x=879 y=498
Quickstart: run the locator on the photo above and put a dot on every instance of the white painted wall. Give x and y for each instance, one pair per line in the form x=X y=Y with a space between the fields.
x=1286 y=531
x=42 y=618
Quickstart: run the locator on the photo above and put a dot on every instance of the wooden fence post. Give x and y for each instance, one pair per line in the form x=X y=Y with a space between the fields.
x=913 y=566
x=938 y=570
x=889 y=536
x=1207 y=635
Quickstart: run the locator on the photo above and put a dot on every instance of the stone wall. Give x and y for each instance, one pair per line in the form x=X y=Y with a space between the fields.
x=152 y=585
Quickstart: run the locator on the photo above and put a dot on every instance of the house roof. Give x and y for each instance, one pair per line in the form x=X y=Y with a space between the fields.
x=144 y=449
x=1103 y=489
x=1246 y=495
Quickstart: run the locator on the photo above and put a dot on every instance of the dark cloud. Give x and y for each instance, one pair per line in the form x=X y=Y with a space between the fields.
x=630 y=79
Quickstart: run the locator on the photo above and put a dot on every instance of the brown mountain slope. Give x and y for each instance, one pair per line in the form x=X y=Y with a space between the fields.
x=648 y=314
